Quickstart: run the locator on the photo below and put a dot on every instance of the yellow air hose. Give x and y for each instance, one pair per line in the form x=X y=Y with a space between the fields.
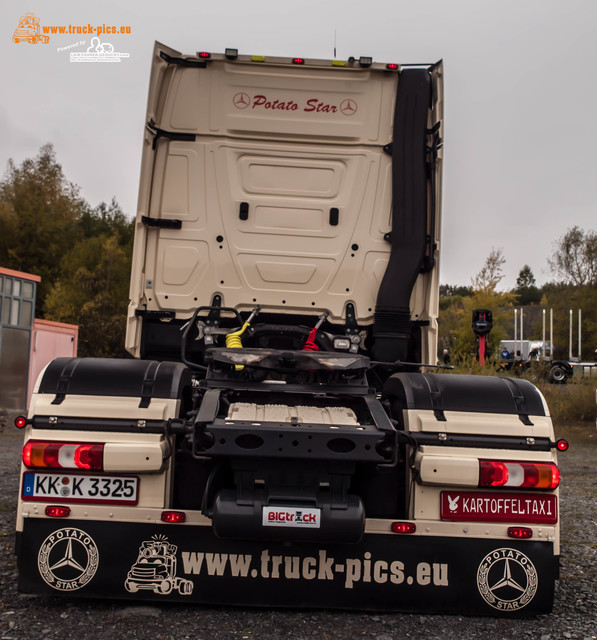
x=233 y=340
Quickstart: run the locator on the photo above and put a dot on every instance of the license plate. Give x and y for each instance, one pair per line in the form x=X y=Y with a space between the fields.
x=80 y=488
x=478 y=506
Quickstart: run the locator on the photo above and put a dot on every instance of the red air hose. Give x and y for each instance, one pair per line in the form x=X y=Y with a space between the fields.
x=310 y=344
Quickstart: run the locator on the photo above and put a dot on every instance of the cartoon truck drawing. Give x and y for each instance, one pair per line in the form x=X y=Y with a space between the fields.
x=28 y=31
x=155 y=570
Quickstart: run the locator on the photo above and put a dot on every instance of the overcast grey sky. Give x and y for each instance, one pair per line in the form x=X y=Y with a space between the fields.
x=520 y=162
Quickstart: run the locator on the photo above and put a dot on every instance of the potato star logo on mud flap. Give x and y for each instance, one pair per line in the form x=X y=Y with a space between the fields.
x=68 y=559
x=507 y=579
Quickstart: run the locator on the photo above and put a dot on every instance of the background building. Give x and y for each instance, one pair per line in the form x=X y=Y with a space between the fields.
x=26 y=344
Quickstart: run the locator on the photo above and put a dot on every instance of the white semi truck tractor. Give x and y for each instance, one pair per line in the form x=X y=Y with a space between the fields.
x=281 y=429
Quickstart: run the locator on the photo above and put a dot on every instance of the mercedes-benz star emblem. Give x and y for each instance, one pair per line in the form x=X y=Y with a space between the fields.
x=507 y=580
x=348 y=107
x=241 y=101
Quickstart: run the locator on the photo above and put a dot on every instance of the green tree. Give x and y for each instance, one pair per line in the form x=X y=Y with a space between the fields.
x=93 y=293
x=456 y=311
x=449 y=290
x=574 y=259
x=83 y=254
x=106 y=220
x=39 y=210
x=491 y=273
x=526 y=288
x=464 y=341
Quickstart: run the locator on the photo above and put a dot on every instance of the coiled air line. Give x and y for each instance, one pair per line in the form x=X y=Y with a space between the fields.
x=233 y=340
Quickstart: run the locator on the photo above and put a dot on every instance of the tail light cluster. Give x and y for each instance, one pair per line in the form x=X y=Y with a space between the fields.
x=524 y=475
x=63 y=455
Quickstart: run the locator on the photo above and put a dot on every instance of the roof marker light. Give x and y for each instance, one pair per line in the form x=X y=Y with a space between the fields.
x=298 y=61
x=392 y=67
x=204 y=54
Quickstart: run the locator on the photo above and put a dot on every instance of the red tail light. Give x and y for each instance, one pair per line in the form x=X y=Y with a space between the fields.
x=63 y=455
x=89 y=456
x=174 y=516
x=403 y=527
x=520 y=532
x=57 y=512
x=526 y=475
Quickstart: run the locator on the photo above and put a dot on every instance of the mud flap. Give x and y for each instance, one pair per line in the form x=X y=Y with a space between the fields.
x=189 y=564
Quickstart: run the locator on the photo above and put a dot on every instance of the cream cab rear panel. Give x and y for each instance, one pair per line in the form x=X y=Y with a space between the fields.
x=286 y=255
x=283 y=191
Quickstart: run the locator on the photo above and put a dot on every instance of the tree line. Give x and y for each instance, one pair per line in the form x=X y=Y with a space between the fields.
x=82 y=253
x=573 y=265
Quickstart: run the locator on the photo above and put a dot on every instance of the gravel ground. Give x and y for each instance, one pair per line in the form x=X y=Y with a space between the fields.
x=574 y=616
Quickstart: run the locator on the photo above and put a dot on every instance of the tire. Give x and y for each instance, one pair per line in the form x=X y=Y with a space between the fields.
x=185 y=587
x=165 y=587
x=131 y=587
x=558 y=374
